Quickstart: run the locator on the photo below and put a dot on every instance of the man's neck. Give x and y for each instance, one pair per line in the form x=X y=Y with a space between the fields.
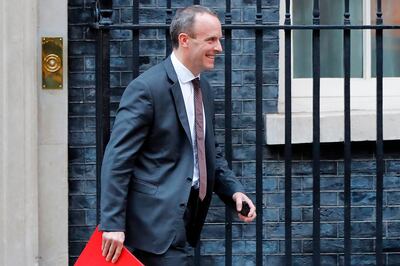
x=183 y=59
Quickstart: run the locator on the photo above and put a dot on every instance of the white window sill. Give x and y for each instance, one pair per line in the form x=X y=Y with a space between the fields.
x=363 y=127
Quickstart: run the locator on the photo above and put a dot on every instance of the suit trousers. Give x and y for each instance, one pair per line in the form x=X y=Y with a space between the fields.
x=179 y=253
x=175 y=256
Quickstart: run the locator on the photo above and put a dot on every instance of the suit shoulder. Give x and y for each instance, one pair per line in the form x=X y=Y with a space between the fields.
x=206 y=85
x=153 y=76
x=145 y=82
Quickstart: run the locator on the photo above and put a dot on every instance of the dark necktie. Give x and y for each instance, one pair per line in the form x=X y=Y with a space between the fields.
x=200 y=140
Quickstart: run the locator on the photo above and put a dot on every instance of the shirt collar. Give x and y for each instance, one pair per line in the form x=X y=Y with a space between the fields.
x=183 y=73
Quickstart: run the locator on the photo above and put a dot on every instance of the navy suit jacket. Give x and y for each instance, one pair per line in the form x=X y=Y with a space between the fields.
x=147 y=168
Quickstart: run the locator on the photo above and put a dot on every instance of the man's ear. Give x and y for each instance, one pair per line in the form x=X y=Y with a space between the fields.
x=183 y=39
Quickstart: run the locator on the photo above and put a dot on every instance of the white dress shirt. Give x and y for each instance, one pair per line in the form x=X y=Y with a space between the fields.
x=185 y=77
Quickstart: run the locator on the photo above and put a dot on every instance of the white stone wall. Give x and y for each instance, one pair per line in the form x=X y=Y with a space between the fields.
x=53 y=142
x=33 y=138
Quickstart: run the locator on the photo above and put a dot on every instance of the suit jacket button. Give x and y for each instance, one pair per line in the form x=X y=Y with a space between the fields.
x=189 y=179
x=182 y=205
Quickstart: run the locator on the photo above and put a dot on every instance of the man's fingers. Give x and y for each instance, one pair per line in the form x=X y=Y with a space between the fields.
x=107 y=243
x=117 y=253
x=252 y=215
x=244 y=218
x=111 y=251
x=112 y=248
x=103 y=243
x=239 y=204
x=247 y=219
x=239 y=197
x=252 y=211
x=112 y=244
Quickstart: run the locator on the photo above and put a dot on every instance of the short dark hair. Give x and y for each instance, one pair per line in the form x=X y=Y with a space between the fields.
x=183 y=22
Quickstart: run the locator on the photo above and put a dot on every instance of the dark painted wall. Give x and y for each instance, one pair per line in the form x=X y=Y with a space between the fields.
x=82 y=185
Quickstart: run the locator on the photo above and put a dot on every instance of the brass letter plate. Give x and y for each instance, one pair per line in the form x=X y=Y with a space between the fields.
x=52 y=63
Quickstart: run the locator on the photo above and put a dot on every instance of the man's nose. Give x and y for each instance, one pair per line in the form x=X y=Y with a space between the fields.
x=218 y=47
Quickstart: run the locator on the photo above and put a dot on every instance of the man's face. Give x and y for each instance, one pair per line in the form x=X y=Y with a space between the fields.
x=205 y=43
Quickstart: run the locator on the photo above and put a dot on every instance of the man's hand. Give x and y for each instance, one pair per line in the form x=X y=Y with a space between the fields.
x=112 y=244
x=239 y=197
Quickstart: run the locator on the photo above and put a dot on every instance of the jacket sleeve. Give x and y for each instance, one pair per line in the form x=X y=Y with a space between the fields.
x=131 y=126
x=226 y=183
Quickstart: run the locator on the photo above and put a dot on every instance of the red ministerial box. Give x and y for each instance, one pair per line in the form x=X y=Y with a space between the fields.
x=91 y=254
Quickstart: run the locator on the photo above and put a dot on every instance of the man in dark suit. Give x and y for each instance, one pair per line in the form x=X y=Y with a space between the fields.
x=162 y=164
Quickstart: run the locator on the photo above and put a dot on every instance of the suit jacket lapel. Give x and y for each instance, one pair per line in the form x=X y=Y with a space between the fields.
x=180 y=108
x=178 y=97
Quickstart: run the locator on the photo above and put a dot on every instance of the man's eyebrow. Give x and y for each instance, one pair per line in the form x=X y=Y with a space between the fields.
x=213 y=37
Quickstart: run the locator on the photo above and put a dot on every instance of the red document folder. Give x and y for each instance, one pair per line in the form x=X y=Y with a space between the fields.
x=91 y=255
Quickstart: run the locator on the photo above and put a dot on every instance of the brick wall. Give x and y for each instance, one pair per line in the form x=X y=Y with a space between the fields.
x=82 y=185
